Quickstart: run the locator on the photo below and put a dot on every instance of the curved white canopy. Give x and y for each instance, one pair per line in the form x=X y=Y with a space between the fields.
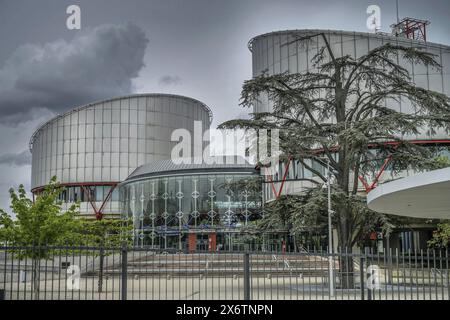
x=425 y=195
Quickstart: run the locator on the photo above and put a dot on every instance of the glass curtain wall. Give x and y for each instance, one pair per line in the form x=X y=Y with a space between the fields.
x=165 y=209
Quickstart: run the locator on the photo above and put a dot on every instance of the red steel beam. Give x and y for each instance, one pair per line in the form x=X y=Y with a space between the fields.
x=99 y=212
x=390 y=143
x=86 y=190
x=382 y=170
x=364 y=182
x=286 y=171
x=378 y=176
x=372 y=186
x=271 y=183
x=366 y=185
x=79 y=184
x=106 y=200
x=85 y=186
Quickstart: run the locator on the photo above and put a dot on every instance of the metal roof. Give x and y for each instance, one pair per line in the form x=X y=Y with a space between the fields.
x=192 y=165
x=138 y=95
x=342 y=32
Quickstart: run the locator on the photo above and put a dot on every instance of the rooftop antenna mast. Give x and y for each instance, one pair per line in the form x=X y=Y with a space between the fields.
x=410 y=28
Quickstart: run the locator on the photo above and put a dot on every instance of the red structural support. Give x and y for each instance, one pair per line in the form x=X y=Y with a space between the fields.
x=78 y=184
x=388 y=143
x=108 y=196
x=378 y=176
x=98 y=212
x=368 y=187
x=86 y=188
x=283 y=181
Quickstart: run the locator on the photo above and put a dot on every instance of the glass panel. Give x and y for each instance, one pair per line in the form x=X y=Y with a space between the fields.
x=106 y=130
x=115 y=130
x=81 y=160
x=196 y=201
x=106 y=161
x=97 y=159
x=124 y=159
x=99 y=196
x=124 y=116
x=133 y=116
x=106 y=174
x=89 y=145
x=97 y=173
x=115 y=145
x=98 y=114
x=124 y=130
x=106 y=145
x=123 y=145
x=133 y=131
x=107 y=116
x=114 y=159
x=89 y=116
x=115 y=116
x=132 y=145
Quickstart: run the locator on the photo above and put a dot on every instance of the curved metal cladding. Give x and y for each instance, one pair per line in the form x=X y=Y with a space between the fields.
x=276 y=53
x=167 y=202
x=92 y=148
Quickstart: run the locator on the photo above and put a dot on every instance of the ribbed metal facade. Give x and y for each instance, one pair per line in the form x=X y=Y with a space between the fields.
x=273 y=55
x=276 y=53
x=103 y=142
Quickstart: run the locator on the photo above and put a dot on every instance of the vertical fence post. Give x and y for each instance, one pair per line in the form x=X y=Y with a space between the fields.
x=246 y=276
x=362 y=276
x=124 y=272
x=370 y=288
x=3 y=290
x=367 y=275
x=100 y=270
x=448 y=275
x=389 y=260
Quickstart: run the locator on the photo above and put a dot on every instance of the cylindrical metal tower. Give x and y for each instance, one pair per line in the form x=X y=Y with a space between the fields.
x=278 y=52
x=92 y=148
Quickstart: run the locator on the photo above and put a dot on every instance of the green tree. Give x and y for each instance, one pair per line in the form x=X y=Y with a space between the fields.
x=40 y=225
x=40 y=222
x=441 y=237
x=345 y=111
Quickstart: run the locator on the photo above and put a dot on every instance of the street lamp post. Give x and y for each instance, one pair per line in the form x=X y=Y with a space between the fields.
x=330 y=232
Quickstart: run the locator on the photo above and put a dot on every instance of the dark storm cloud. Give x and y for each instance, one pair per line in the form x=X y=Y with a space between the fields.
x=97 y=63
x=170 y=80
x=17 y=159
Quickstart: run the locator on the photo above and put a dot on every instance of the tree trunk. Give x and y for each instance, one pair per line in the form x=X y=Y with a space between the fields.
x=35 y=278
x=346 y=267
x=100 y=271
x=346 y=270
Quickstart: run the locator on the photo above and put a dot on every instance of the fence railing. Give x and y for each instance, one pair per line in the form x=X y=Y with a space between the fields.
x=91 y=273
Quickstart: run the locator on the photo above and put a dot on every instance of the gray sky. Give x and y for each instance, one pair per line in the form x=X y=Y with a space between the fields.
x=196 y=48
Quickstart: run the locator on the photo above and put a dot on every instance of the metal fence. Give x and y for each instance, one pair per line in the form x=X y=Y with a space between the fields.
x=89 y=273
